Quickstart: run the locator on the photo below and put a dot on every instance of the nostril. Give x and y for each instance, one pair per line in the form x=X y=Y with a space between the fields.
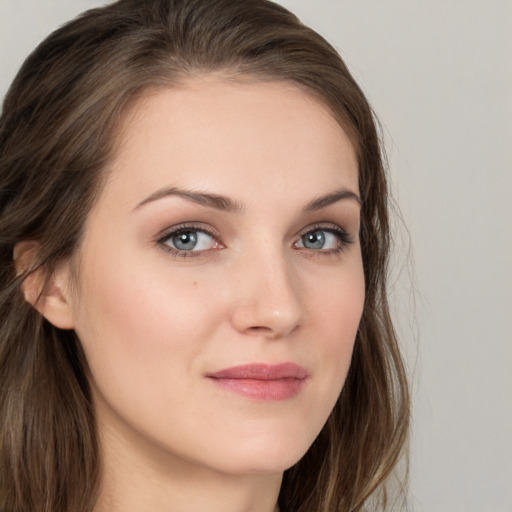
x=259 y=329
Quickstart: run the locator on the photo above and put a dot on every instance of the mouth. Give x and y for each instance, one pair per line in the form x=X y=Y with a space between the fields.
x=262 y=382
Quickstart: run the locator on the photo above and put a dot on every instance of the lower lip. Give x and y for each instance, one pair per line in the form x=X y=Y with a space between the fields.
x=264 y=390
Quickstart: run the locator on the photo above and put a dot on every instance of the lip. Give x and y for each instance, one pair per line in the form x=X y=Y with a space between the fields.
x=265 y=382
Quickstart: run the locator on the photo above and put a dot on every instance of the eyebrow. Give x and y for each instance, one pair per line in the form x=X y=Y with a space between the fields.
x=216 y=201
x=334 y=197
x=227 y=204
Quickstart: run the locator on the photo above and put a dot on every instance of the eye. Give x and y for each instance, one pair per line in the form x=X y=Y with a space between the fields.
x=189 y=240
x=322 y=239
x=319 y=239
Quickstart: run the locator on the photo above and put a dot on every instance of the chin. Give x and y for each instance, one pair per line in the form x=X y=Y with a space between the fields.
x=266 y=454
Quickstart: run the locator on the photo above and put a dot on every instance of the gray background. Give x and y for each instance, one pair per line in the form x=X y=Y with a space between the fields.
x=439 y=74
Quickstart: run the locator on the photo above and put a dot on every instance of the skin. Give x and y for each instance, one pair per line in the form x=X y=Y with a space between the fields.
x=153 y=323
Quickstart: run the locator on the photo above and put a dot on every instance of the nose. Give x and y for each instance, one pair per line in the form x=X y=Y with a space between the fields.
x=268 y=299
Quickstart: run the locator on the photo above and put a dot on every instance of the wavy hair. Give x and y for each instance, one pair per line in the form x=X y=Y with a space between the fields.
x=57 y=136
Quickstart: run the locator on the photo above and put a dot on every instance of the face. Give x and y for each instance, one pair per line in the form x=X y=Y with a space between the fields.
x=219 y=283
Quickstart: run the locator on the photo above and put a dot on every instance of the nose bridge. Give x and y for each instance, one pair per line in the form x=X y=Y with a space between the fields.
x=269 y=300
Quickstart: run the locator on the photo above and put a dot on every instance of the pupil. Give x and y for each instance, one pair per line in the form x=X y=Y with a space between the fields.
x=314 y=240
x=185 y=241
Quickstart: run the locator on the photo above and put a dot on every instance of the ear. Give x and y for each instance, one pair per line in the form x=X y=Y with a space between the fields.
x=48 y=294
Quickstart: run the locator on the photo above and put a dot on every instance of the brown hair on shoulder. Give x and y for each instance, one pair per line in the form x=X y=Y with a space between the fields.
x=57 y=136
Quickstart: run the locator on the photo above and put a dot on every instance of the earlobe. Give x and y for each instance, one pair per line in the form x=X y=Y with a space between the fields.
x=47 y=294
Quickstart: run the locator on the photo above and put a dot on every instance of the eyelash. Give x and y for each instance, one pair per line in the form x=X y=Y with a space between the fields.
x=184 y=228
x=343 y=237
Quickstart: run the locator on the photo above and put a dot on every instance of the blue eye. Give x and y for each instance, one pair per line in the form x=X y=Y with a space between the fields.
x=323 y=240
x=314 y=240
x=189 y=240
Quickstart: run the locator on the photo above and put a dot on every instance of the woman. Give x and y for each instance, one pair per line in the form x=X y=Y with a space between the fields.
x=194 y=237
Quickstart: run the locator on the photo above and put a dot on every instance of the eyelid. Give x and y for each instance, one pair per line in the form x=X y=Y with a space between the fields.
x=326 y=226
x=345 y=238
x=163 y=236
x=187 y=226
x=342 y=234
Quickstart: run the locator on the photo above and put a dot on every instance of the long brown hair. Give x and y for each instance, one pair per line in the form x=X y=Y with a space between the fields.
x=57 y=134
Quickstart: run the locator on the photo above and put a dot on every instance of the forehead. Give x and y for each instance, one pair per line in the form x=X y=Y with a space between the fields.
x=211 y=132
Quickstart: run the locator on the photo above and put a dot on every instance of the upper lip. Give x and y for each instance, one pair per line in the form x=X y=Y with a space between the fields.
x=262 y=371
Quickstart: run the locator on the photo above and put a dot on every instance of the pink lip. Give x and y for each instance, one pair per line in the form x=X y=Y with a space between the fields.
x=262 y=381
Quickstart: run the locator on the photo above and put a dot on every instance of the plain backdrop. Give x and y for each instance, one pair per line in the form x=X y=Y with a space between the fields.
x=439 y=75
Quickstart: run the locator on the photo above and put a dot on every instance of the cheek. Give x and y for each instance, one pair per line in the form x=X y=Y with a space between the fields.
x=335 y=313
x=343 y=308
x=143 y=335
x=137 y=324
x=337 y=306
